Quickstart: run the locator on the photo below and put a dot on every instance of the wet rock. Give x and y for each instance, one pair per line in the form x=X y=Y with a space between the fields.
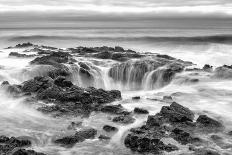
x=16 y=54
x=5 y=83
x=118 y=49
x=103 y=55
x=136 y=98
x=224 y=72
x=109 y=128
x=174 y=121
x=165 y=56
x=140 y=111
x=56 y=60
x=80 y=136
x=114 y=109
x=183 y=137
x=7 y=145
x=62 y=82
x=124 y=119
x=26 y=152
x=23 y=45
x=177 y=113
x=208 y=123
x=103 y=137
x=144 y=143
x=207 y=68
x=12 y=89
x=37 y=84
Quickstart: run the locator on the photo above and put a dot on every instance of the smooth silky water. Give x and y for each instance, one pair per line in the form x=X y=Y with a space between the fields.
x=211 y=96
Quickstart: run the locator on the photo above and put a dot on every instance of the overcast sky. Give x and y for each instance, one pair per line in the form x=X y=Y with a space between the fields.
x=211 y=8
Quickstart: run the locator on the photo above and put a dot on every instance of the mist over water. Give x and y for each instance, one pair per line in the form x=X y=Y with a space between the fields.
x=201 y=46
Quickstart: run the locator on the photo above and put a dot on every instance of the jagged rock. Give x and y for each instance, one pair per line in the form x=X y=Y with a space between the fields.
x=140 y=111
x=37 y=84
x=80 y=136
x=118 y=49
x=7 y=145
x=224 y=72
x=12 y=89
x=177 y=113
x=174 y=121
x=136 y=98
x=109 y=128
x=145 y=143
x=103 y=137
x=26 y=152
x=208 y=123
x=124 y=119
x=207 y=68
x=114 y=109
x=62 y=82
x=16 y=54
x=183 y=137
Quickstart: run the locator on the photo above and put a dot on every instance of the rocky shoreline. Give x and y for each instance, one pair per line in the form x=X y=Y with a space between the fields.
x=61 y=97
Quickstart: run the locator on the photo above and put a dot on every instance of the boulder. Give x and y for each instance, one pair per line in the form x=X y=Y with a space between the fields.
x=209 y=124
x=124 y=119
x=177 y=113
x=7 y=145
x=114 y=109
x=140 y=111
x=109 y=128
x=26 y=152
x=136 y=98
x=207 y=68
x=16 y=54
x=103 y=137
x=80 y=136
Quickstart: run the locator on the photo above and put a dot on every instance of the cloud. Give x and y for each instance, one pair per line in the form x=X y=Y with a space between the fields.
x=152 y=7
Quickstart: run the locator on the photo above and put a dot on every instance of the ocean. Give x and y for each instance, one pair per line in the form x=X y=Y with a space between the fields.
x=199 y=41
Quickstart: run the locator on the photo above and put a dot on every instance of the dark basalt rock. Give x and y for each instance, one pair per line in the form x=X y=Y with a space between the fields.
x=207 y=68
x=224 y=72
x=12 y=89
x=37 y=84
x=62 y=82
x=124 y=119
x=145 y=143
x=69 y=99
x=26 y=152
x=136 y=98
x=80 y=136
x=207 y=123
x=141 y=111
x=53 y=59
x=109 y=128
x=181 y=136
x=174 y=121
x=16 y=54
x=103 y=137
x=177 y=113
x=23 y=45
x=114 y=109
x=7 y=145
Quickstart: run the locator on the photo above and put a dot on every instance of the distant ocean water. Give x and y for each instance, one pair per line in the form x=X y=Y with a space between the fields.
x=200 y=45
